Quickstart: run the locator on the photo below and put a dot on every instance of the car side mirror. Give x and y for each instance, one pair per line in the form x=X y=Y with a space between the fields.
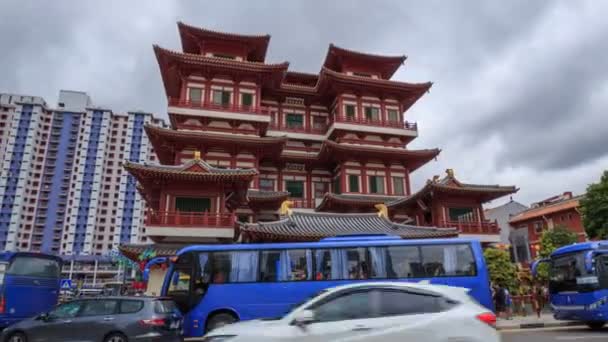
x=303 y=318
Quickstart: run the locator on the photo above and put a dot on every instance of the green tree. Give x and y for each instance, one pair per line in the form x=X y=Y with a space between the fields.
x=502 y=270
x=594 y=207
x=550 y=240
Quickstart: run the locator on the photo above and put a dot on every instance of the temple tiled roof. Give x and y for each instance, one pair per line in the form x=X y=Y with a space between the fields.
x=538 y=212
x=387 y=65
x=261 y=195
x=194 y=170
x=132 y=251
x=191 y=36
x=304 y=226
x=450 y=184
x=361 y=202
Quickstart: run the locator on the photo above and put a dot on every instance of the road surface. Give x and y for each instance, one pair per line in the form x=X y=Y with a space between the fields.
x=554 y=335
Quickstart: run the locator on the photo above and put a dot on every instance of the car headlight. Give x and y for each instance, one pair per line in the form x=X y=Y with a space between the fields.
x=218 y=338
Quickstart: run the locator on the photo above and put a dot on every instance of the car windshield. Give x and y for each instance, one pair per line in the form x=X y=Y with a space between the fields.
x=300 y=303
x=568 y=273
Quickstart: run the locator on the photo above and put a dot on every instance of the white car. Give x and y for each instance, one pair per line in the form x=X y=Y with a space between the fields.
x=374 y=312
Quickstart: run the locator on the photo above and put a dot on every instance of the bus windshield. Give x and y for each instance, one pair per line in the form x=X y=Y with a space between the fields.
x=568 y=274
x=34 y=267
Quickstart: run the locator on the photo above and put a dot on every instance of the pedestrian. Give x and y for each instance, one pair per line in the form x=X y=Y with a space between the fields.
x=508 y=304
x=499 y=300
x=538 y=299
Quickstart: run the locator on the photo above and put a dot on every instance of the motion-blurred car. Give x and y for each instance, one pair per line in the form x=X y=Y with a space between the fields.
x=107 y=319
x=374 y=312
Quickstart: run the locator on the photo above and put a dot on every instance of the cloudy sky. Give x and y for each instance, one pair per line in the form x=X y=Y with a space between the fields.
x=520 y=91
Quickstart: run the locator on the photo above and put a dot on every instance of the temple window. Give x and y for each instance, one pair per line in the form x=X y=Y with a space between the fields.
x=267 y=184
x=336 y=185
x=321 y=189
x=398 y=188
x=538 y=227
x=293 y=120
x=349 y=109
x=461 y=214
x=376 y=184
x=295 y=188
x=246 y=99
x=192 y=204
x=372 y=114
x=353 y=183
x=195 y=94
x=393 y=115
x=221 y=55
x=221 y=97
x=318 y=122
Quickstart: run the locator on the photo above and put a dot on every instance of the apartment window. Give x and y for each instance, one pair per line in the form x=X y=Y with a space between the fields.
x=295 y=188
x=393 y=115
x=353 y=183
x=398 y=188
x=350 y=111
x=376 y=184
x=247 y=99
x=221 y=97
x=372 y=114
x=195 y=94
x=267 y=184
x=294 y=120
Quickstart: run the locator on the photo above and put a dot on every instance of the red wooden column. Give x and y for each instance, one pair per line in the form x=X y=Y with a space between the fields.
x=183 y=92
x=307 y=119
x=359 y=115
x=340 y=111
x=207 y=92
x=408 y=191
x=364 y=178
x=309 y=193
x=279 y=119
x=342 y=178
x=256 y=179
x=280 y=178
x=383 y=114
x=236 y=97
x=389 y=180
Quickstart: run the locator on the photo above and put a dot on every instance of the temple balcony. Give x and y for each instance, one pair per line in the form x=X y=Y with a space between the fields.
x=176 y=226
x=218 y=111
x=315 y=129
x=485 y=231
x=362 y=124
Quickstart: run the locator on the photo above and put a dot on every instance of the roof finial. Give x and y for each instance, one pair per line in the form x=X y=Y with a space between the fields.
x=450 y=172
x=382 y=210
x=197 y=155
x=286 y=208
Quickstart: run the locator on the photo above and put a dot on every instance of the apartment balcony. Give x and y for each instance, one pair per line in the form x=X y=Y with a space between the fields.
x=175 y=226
x=485 y=231
x=214 y=110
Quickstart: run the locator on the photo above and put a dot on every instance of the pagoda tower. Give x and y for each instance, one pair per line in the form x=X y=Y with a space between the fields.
x=247 y=135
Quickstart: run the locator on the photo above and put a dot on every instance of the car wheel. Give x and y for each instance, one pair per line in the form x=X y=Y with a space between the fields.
x=219 y=320
x=115 y=337
x=17 y=337
x=596 y=325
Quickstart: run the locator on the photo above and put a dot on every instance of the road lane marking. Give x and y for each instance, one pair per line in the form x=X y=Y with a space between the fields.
x=581 y=337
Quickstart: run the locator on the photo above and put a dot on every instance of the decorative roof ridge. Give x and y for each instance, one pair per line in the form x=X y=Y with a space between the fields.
x=181 y=24
x=420 y=86
x=218 y=60
x=185 y=166
x=320 y=213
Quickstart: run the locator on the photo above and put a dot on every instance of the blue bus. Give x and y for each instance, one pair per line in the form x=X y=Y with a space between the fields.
x=578 y=282
x=215 y=285
x=29 y=285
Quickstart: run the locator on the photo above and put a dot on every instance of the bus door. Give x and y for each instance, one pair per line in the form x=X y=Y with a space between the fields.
x=31 y=286
x=602 y=270
x=188 y=281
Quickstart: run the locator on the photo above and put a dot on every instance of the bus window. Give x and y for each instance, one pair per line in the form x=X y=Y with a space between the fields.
x=2 y=271
x=269 y=266
x=396 y=262
x=34 y=267
x=356 y=263
x=235 y=267
x=448 y=260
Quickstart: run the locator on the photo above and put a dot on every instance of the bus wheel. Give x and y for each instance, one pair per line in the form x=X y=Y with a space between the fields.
x=596 y=325
x=219 y=320
x=17 y=337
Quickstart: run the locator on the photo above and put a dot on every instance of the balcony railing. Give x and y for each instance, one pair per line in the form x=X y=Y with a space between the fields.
x=302 y=203
x=472 y=227
x=190 y=219
x=411 y=126
x=230 y=107
x=315 y=129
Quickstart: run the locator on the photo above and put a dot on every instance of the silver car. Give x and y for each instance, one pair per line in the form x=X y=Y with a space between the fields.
x=102 y=319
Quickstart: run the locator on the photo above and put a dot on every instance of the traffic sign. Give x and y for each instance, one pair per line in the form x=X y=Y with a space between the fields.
x=66 y=283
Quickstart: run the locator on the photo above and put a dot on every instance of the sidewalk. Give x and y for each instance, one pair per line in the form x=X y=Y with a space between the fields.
x=546 y=320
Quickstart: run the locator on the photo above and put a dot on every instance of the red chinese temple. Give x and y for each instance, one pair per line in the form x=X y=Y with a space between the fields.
x=247 y=135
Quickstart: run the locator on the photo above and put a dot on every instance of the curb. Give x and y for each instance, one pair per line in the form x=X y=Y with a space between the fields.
x=541 y=325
